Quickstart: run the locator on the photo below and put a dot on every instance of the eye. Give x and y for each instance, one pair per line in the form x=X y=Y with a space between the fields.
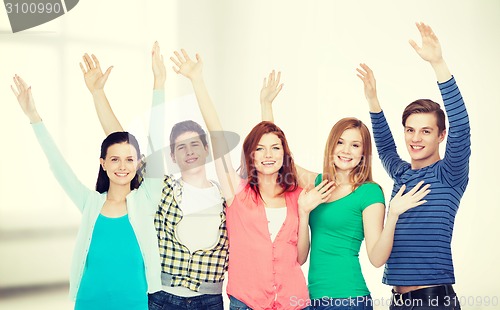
x=427 y=132
x=114 y=159
x=130 y=159
x=259 y=148
x=340 y=142
x=409 y=130
x=276 y=148
x=356 y=145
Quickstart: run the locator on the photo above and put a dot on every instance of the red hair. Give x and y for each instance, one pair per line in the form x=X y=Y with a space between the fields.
x=287 y=175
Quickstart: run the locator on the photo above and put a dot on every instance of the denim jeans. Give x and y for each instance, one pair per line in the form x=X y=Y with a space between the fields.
x=441 y=297
x=352 y=303
x=164 y=301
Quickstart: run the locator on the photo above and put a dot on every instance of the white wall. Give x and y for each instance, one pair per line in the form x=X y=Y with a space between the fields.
x=317 y=46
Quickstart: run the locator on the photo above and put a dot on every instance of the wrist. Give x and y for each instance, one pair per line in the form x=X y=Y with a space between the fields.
x=97 y=92
x=34 y=117
x=392 y=217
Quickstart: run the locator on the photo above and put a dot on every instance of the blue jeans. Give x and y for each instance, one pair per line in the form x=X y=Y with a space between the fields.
x=352 y=303
x=235 y=304
x=164 y=301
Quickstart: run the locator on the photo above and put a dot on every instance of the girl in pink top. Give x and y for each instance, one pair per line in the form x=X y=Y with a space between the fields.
x=262 y=218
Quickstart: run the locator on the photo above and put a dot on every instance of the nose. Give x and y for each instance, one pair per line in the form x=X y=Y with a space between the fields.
x=268 y=153
x=189 y=150
x=122 y=164
x=416 y=137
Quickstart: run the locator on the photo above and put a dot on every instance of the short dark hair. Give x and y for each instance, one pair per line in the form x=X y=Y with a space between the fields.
x=426 y=106
x=102 y=184
x=183 y=127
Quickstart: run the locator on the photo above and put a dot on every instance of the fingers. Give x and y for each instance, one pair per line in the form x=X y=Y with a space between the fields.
x=185 y=54
x=88 y=62
x=96 y=62
x=14 y=91
x=82 y=68
x=401 y=190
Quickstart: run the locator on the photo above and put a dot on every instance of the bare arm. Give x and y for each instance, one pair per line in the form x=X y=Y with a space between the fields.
x=95 y=81
x=379 y=237
x=309 y=199
x=228 y=178
x=270 y=90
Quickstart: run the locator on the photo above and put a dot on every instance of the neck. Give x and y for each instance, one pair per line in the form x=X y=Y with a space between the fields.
x=342 y=177
x=196 y=178
x=419 y=164
x=268 y=186
x=118 y=192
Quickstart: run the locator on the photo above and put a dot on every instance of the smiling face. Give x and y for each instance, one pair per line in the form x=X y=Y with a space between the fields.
x=120 y=163
x=348 y=151
x=422 y=139
x=268 y=155
x=189 y=152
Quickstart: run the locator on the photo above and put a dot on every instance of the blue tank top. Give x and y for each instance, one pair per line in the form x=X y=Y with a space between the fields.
x=114 y=275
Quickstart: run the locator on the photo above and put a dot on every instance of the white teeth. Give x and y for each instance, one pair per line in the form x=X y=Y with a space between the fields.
x=416 y=147
x=191 y=160
x=268 y=162
x=121 y=174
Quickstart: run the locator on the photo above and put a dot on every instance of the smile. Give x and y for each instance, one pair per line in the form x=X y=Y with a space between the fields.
x=268 y=163
x=346 y=159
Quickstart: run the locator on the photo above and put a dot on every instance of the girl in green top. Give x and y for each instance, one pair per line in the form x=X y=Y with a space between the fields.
x=354 y=211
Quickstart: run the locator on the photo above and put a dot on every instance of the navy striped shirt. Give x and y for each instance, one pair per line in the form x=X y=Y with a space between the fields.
x=421 y=253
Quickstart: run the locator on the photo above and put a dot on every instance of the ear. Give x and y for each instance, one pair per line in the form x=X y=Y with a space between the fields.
x=102 y=164
x=442 y=136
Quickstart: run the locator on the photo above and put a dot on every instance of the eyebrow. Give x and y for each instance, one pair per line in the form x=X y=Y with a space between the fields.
x=426 y=127
x=354 y=141
x=271 y=144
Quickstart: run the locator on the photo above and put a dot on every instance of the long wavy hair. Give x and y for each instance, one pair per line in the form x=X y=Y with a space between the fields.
x=102 y=184
x=363 y=171
x=287 y=174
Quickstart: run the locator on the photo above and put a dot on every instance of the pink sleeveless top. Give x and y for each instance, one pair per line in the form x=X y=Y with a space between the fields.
x=261 y=273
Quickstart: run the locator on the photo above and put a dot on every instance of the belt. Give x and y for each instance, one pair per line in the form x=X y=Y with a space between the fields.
x=426 y=296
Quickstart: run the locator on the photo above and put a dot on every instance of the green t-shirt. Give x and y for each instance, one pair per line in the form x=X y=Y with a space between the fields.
x=336 y=236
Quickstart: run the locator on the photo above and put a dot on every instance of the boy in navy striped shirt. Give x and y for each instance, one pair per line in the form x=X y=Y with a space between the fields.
x=420 y=266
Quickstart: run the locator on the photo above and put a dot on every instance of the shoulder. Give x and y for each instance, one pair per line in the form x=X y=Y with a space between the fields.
x=370 y=187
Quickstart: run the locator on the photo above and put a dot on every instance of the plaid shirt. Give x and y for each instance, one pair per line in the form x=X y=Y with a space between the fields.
x=187 y=269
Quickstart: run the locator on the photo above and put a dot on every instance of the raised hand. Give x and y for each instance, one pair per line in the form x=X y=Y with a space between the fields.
x=271 y=88
x=311 y=198
x=25 y=99
x=431 y=48
x=401 y=203
x=370 y=86
x=92 y=73
x=158 y=66
x=187 y=67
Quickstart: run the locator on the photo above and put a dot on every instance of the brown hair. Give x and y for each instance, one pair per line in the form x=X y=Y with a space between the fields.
x=363 y=171
x=287 y=175
x=425 y=106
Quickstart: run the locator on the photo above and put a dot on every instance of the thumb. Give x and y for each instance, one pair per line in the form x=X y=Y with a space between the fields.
x=106 y=74
x=414 y=45
x=198 y=58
